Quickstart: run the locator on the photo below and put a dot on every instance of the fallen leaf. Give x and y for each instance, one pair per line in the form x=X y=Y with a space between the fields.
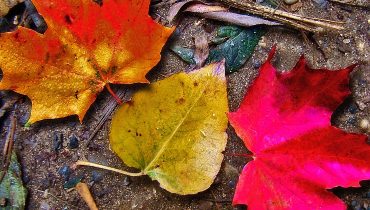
x=238 y=47
x=11 y=187
x=184 y=53
x=85 y=47
x=201 y=50
x=284 y=120
x=173 y=132
x=84 y=191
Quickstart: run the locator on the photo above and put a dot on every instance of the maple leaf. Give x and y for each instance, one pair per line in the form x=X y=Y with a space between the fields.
x=85 y=47
x=172 y=132
x=284 y=120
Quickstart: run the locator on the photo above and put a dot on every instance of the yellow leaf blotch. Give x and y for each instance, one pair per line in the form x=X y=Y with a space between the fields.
x=174 y=130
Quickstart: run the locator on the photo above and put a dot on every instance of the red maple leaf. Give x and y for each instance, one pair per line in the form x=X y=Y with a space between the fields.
x=284 y=120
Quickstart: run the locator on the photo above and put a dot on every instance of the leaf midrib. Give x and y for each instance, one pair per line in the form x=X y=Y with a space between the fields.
x=175 y=130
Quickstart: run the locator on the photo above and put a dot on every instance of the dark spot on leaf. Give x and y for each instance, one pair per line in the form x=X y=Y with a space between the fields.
x=160 y=111
x=47 y=57
x=114 y=69
x=182 y=84
x=157 y=166
x=16 y=35
x=130 y=103
x=180 y=101
x=76 y=94
x=195 y=84
x=93 y=41
x=129 y=131
x=137 y=134
x=68 y=20
x=92 y=82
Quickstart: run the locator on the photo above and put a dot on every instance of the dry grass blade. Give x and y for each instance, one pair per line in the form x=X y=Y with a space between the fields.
x=296 y=21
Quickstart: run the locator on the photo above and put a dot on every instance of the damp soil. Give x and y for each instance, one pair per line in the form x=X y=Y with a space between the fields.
x=44 y=165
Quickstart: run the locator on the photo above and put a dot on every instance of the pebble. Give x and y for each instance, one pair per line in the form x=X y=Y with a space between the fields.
x=353 y=110
x=25 y=179
x=321 y=4
x=368 y=194
x=352 y=120
x=290 y=1
x=57 y=141
x=346 y=41
x=72 y=183
x=256 y=64
x=44 y=206
x=97 y=175
x=354 y=203
x=126 y=181
x=231 y=183
x=65 y=171
x=364 y=124
x=73 y=142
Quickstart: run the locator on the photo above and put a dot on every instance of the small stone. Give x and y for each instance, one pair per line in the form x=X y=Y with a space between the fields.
x=126 y=181
x=65 y=171
x=57 y=141
x=352 y=120
x=321 y=4
x=353 y=110
x=2 y=202
x=364 y=124
x=72 y=183
x=346 y=41
x=97 y=175
x=256 y=64
x=368 y=194
x=354 y=203
x=290 y=1
x=44 y=206
x=231 y=183
x=73 y=142
x=361 y=105
x=25 y=179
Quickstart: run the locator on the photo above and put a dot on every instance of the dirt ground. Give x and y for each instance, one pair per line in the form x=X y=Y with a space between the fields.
x=46 y=171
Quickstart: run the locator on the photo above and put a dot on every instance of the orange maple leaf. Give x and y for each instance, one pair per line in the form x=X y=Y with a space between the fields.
x=86 y=47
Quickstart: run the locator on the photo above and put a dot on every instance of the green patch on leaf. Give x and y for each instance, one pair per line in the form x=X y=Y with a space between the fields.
x=11 y=187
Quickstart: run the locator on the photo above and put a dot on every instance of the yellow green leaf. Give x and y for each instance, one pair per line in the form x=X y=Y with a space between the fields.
x=174 y=130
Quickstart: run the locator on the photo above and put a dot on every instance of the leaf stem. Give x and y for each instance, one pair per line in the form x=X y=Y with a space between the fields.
x=85 y=163
x=114 y=95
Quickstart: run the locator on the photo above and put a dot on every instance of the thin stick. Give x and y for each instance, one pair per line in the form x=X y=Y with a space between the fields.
x=106 y=113
x=296 y=21
x=8 y=148
x=85 y=163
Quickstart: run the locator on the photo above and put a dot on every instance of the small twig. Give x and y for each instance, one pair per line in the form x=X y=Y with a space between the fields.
x=8 y=148
x=85 y=163
x=295 y=21
x=106 y=112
